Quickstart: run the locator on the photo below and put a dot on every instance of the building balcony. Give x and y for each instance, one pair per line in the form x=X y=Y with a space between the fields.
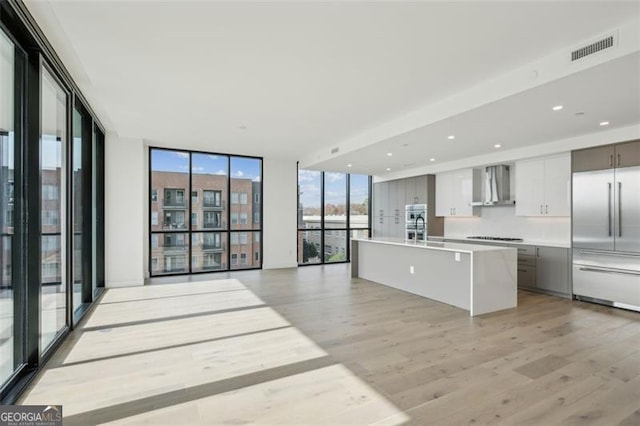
x=214 y=267
x=175 y=248
x=175 y=204
x=172 y=225
x=213 y=225
x=212 y=205
x=213 y=247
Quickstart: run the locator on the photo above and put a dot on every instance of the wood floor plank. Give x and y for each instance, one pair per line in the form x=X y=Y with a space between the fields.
x=205 y=351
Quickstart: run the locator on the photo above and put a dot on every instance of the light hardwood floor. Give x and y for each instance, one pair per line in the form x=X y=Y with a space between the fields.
x=313 y=346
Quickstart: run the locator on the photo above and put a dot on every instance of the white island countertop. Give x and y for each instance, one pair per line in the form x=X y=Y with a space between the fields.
x=475 y=277
x=525 y=242
x=436 y=245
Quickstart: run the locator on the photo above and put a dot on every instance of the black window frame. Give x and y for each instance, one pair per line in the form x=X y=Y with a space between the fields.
x=33 y=54
x=190 y=229
x=322 y=229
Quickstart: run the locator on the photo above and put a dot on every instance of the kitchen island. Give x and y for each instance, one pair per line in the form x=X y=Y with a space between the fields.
x=474 y=277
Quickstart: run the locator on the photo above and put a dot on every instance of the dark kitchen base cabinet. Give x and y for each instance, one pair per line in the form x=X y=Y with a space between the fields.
x=540 y=268
x=544 y=269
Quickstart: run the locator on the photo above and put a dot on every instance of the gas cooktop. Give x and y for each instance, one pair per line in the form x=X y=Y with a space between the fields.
x=496 y=238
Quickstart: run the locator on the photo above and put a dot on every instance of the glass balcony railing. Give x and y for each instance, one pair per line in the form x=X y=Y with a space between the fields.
x=214 y=267
x=213 y=204
x=213 y=225
x=174 y=225
x=175 y=203
x=176 y=247
x=213 y=246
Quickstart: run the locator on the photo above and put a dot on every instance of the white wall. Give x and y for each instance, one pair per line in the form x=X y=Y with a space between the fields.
x=502 y=222
x=127 y=212
x=125 y=198
x=280 y=214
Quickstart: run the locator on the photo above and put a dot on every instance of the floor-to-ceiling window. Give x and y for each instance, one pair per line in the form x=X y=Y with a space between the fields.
x=246 y=212
x=97 y=212
x=7 y=164
x=51 y=201
x=77 y=202
x=332 y=207
x=309 y=216
x=359 y=202
x=53 y=188
x=205 y=212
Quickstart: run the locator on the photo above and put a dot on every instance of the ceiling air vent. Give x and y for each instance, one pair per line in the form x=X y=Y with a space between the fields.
x=334 y=150
x=595 y=47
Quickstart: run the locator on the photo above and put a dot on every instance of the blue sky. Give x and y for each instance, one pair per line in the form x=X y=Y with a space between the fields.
x=334 y=186
x=177 y=161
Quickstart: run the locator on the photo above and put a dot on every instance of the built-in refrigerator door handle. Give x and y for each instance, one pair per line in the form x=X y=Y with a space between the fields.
x=619 y=209
x=609 y=271
x=604 y=253
x=609 y=209
x=540 y=208
x=546 y=209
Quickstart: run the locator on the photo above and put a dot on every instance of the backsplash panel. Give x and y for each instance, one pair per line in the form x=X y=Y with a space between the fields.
x=502 y=222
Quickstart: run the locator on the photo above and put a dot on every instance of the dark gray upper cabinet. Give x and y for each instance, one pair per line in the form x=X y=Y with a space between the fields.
x=598 y=158
x=390 y=198
x=626 y=154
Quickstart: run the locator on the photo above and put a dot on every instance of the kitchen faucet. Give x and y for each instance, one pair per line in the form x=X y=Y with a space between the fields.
x=424 y=224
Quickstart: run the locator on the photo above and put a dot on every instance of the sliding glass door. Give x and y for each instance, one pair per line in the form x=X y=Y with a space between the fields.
x=7 y=170
x=51 y=202
x=53 y=184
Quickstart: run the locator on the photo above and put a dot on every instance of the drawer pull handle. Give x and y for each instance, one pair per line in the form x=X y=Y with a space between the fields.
x=609 y=271
x=607 y=254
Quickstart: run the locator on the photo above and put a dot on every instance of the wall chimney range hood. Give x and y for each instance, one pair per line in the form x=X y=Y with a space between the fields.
x=496 y=187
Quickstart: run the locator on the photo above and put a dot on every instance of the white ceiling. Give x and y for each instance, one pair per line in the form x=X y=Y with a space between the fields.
x=286 y=79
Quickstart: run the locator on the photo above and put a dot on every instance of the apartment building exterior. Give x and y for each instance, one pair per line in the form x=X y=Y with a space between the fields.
x=224 y=228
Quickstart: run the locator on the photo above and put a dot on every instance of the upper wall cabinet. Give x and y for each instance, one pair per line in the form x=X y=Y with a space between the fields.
x=625 y=154
x=389 y=200
x=543 y=186
x=455 y=191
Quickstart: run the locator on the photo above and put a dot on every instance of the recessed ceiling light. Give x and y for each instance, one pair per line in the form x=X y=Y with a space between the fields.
x=451 y=137
x=604 y=123
x=389 y=154
x=432 y=159
x=557 y=108
x=348 y=165
x=497 y=145
x=388 y=169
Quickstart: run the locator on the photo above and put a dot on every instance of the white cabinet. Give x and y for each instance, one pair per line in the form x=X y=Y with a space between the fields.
x=455 y=191
x=543 y=186
x=557 y=186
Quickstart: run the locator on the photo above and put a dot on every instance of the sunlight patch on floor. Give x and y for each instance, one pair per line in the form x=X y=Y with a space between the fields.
x=212 y=353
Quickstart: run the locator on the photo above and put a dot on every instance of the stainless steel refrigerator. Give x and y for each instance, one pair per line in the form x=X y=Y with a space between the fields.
x=606 y=224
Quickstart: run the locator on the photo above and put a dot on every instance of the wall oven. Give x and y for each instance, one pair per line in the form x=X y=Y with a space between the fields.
x=416 y=222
